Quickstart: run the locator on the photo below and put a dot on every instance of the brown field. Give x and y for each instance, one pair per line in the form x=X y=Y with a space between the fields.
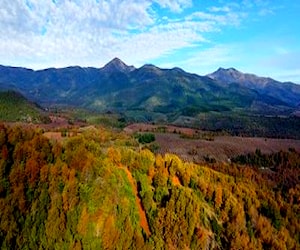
x=56 y=136
x=57 y=123
x=218 y=147
x=189 y=144
x=52 y=130
x=144 y=127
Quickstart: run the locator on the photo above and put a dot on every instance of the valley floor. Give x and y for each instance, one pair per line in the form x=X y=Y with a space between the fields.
x=194 y=145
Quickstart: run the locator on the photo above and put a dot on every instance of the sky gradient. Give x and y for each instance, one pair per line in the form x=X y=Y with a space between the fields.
x=258 y=36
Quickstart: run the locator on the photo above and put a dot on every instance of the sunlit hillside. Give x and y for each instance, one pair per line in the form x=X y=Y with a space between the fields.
x=15 y=107
x=101 y=190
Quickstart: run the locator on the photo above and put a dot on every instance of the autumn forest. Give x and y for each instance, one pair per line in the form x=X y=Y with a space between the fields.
x=102 y=189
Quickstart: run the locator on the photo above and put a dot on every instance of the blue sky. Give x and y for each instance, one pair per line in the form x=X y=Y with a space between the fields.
x=254 y=36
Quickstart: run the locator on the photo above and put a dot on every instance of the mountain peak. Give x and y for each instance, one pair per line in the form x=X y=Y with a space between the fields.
x=228 y=71
x=117 y=65
x=231 y=75
x=116 y=61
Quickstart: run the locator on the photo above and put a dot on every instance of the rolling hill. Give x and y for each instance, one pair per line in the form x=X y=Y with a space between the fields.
x=15 y=107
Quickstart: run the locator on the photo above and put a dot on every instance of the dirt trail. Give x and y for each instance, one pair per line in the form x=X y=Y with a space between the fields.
x=143 y=220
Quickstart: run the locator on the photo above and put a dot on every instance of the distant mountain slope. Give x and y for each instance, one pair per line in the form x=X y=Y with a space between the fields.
x=149 y=89
x=285 y=91
x=15 y=107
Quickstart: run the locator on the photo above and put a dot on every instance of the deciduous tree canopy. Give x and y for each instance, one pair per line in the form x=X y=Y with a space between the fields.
x=79 y=195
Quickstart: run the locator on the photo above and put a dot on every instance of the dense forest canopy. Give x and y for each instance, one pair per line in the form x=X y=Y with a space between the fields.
x=100 y=190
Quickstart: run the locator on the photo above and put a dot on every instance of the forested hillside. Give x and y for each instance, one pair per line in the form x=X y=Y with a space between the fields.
x=15 y=107
x=153 y=93
x=101 y=190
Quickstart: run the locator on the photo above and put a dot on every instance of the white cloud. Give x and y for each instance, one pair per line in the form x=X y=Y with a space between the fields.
x=282 y=59
x=157 y=42
x=61 y=33
x=48 y=33
x=266 y=12
x=230 y=18
x=66 y=32
x=219 y=9
x=287 y=75
x=174 y=5
x=205 y=60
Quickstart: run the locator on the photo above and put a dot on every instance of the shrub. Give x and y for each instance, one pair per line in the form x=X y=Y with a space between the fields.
x=145 y=138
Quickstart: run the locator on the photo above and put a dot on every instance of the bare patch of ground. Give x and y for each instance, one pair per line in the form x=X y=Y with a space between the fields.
x=144 y=127
x=56 y=136
x=217 y=147
x=57 y=123
x=222 y=147
x=57 y=130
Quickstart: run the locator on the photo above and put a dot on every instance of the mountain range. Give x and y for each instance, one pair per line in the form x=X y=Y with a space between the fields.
x=152 y=91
